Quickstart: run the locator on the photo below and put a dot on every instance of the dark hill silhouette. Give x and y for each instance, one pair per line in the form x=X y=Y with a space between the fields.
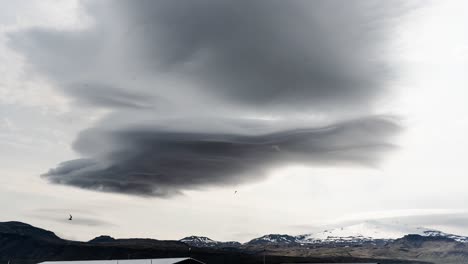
x=22 y=229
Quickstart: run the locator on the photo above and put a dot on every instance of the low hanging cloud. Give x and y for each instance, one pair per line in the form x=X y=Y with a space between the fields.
x=188 y=85
x=158 y=162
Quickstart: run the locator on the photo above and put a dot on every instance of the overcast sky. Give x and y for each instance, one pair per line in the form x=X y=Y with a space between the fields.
x=135 y=116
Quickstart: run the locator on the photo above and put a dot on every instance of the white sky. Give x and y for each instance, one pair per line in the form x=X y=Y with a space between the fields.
x=424 y=180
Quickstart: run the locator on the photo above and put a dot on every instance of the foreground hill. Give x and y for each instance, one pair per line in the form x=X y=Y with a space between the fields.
x=22 y=243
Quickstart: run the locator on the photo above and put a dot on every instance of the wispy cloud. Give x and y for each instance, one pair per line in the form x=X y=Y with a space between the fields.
x=80 y=217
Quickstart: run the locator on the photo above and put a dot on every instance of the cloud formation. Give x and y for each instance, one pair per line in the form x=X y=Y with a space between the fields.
x=264 y=55
x=189 y=84
x=158 y=162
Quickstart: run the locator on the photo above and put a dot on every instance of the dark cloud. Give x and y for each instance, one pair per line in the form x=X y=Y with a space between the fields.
x=316 y=54
x=270 y=55
x=158 y=162
x=189 y=83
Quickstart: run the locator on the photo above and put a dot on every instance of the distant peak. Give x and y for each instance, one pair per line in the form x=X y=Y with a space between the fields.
x=202 y=241
x=198 y=238
x=274 y=239
x=369 y=231
x=418 y=240
x=102 y=239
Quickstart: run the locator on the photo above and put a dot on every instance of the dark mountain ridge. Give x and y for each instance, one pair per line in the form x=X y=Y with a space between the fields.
x=22 y=229
x=25 y=244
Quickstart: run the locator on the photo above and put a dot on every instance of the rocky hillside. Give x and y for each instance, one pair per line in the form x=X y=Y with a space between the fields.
x=275 y=239
x=201 y=241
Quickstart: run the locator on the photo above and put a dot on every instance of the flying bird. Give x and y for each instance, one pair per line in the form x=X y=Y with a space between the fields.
x=276 y=147
x=71 y=218
x=235 y=192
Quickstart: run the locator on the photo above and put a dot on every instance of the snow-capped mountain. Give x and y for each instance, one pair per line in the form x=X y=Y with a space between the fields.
x=273 y=239
x=373 y=232
x=201 y=241
x=435 y=233
x=366 y=232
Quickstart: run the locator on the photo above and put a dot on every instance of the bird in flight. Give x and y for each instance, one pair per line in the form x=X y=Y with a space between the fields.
x=71 y=218
x=276 y=148
x=235 y=192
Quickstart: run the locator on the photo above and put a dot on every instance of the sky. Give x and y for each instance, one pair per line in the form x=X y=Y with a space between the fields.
x=143 y=119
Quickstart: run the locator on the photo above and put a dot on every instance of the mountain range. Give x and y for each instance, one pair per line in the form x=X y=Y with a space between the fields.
x=21 y=243
x=366 y=232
